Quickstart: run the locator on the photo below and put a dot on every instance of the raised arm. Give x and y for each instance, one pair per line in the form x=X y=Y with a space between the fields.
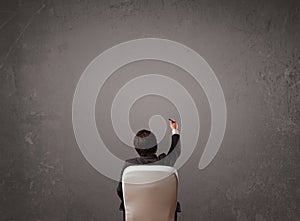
x=175 y=148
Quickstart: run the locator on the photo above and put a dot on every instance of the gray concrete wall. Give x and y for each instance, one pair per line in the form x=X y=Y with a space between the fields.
x=253 y=47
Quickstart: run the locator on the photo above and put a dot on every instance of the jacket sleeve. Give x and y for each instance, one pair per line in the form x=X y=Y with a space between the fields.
x=120 y=191
x=119 y=187
x=173 y=153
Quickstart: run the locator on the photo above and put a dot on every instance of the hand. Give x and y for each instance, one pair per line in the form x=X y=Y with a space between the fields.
x=173 y=124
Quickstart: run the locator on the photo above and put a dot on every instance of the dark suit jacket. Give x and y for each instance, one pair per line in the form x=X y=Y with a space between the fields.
x=168 y=159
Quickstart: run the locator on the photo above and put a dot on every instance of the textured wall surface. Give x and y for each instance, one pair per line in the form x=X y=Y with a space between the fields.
x=254 y=49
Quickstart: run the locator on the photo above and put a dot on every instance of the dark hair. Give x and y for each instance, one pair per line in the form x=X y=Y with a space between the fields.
x=145 y=142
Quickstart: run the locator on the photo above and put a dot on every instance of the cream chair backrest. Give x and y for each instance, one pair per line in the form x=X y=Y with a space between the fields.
x=150 y=192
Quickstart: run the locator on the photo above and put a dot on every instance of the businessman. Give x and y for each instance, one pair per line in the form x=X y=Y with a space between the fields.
x=145 y=144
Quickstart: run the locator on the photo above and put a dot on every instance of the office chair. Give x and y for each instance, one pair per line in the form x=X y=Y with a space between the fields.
x=150 y=193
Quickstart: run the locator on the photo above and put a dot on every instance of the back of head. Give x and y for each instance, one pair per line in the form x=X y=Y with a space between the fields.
x=145 y=142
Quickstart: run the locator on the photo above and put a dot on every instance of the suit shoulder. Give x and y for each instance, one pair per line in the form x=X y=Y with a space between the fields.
x=132 y=160
x=161 y=156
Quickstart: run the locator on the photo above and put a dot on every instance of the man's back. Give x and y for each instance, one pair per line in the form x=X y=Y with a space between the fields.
x=145 y=157
x=168 y=159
